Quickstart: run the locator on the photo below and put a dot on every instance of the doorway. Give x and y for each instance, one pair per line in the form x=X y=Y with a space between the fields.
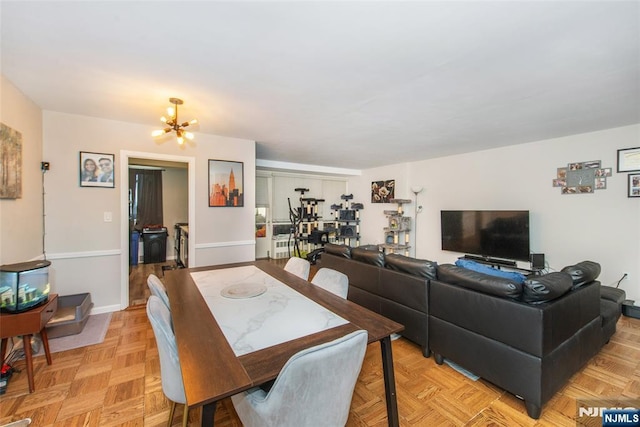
x=133 y=285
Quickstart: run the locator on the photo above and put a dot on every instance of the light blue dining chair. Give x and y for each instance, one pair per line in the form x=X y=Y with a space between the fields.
x=314 y=388
x=298 y=266
x=332 y=280
x=157 y=288
x=171 y=376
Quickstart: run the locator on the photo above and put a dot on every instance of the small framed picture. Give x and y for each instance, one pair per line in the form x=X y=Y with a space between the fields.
x=629 y=159
x=604 y=172
x=226 y=186
x=634 y=185
x=594 y=164
x=601 y=183
x=562 y=173
x=97 y=170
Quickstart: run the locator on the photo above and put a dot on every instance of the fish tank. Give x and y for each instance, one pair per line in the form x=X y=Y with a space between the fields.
x=24 y=286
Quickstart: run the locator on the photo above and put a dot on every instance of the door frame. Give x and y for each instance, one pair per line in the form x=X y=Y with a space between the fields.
x=124 y=212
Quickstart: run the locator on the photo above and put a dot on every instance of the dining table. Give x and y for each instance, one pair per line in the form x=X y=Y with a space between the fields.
x=236 y=325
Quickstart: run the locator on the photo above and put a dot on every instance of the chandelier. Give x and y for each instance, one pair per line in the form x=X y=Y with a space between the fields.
x=173 y=124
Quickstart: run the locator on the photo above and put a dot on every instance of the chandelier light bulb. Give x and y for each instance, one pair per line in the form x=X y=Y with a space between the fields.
x=193 y=122
x=170 y=111
x=163 y=119
x=180 y=140
x=158 y=132
x=189 y=136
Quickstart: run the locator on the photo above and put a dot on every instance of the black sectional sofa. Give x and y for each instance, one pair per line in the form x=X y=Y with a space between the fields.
x=393 y=286
x=527 y=338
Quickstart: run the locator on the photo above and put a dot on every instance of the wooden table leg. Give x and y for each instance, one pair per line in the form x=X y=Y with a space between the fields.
x=3 y=349
x=208 y=412
x=389 y=382
x=26 y=345
x=45 y=343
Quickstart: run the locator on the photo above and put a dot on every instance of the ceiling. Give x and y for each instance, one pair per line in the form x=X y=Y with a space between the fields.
x=343 y=84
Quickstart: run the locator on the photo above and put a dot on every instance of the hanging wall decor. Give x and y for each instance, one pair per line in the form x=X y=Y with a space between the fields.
x=582 y=177
x=96 y=170
x=383 y=191
x=10 y=163
x=629 y=159
x=634 y=185
x=226 y=183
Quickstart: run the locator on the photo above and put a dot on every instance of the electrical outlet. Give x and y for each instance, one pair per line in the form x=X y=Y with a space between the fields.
x=108 y=217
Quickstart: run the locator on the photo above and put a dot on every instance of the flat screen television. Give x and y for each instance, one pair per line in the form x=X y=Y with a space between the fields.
x=24 y=286
x=488 y=234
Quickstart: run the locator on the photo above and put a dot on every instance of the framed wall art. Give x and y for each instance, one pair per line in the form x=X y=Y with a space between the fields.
x=629 y=160
x=97 y=170
x=383 y=191
x=10 y=163
x=226 y=183
x=582 y=177
x=634 y=185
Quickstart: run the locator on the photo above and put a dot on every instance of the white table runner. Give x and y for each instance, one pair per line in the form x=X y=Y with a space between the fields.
x=276 y=316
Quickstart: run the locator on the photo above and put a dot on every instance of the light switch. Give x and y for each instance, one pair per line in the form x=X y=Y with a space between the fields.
x=108 y=217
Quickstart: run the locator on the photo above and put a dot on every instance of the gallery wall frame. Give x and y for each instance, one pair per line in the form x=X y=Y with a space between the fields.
x=582 y=177
x=226 y=183
x=97 y=169
x=633 y=185
x=629 y=159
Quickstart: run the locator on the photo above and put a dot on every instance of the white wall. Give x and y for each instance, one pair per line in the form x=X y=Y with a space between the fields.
x=21 y=219
x=602 y=227
x=86 y=251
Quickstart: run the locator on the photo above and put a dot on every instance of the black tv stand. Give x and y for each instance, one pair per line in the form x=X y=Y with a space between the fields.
x=496 y=262
x=491 y=261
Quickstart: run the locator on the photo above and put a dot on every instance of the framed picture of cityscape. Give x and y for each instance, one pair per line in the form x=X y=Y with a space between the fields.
x=226 y=183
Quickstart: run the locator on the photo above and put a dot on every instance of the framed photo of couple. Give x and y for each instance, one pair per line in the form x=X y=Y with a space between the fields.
x=97 y=170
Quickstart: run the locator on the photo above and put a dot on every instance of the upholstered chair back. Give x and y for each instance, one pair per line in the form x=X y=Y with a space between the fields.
x=332 y=280
x=314 y=388
x=298 y=266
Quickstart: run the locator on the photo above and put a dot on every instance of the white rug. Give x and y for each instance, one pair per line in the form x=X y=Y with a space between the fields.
x=93 y=333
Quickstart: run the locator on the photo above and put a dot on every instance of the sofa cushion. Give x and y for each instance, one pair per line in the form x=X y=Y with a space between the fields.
x=486 y=269
x=539 y=289
x=338 y=250
x=368 y=256
x=480 y=282
x=413 y=266
x=583 y=272
x=610 y=293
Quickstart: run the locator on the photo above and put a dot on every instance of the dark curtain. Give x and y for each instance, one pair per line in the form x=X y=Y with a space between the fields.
x=145 y=195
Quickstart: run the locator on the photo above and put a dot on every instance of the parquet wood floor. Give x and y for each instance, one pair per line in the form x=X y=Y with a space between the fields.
x=117 y=383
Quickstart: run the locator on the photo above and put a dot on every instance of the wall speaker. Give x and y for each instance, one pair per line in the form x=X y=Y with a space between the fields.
x=537 y=261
